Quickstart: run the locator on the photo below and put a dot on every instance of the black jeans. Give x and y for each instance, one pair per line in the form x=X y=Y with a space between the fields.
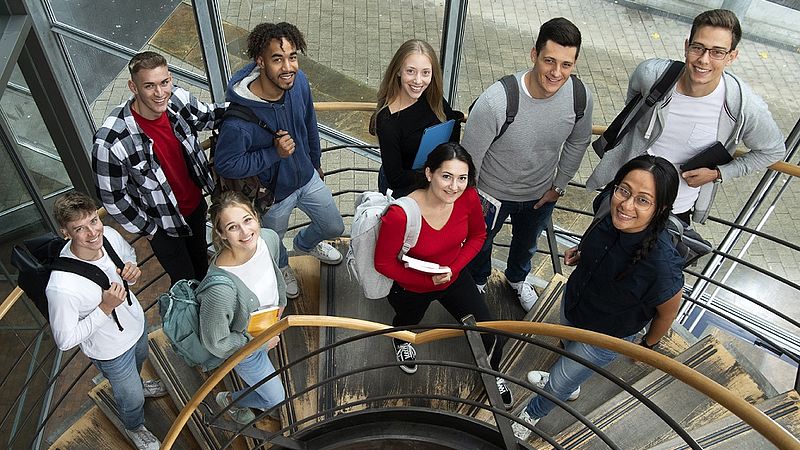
x=184 y=257
x=459 y=299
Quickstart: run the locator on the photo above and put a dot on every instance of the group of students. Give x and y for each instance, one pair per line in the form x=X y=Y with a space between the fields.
x=151 y=173
x=522 y=146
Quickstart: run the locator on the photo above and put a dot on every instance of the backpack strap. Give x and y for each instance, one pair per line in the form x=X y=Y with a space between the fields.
x=578 y=97
x=664 y=84
x=244 y=113
x=603 y=210
x=120 y=265
x=413 y=222
x=511 y=87
x=90 y=272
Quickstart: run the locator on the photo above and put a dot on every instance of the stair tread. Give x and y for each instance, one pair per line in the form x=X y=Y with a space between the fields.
x=159 y=413
x=631 y=425
x=517 y=355
x=182 y=381
x=92 y=431
x=731 y=433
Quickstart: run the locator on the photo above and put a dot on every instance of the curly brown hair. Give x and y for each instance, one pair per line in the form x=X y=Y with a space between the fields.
x=263 y=33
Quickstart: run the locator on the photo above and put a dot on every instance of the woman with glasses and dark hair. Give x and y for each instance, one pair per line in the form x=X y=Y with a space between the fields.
x=628 y=275
x=451 y=234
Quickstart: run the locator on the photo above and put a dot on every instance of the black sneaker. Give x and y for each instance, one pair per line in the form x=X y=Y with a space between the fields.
x=405 y=353
x=505 y=393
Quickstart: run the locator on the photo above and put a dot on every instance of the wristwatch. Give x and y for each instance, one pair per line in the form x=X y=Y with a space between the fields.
x=643 y=343
x=559 y=191
x=719 y=176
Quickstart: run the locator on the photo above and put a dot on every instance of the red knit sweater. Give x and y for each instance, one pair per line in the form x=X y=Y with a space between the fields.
x=454 y=245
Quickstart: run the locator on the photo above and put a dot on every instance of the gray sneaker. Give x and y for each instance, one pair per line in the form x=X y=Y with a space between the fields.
x=324 y=252
x=153 y=388
x=239 y=414
x=521 y=431
x=292 y=289
x=143 y=439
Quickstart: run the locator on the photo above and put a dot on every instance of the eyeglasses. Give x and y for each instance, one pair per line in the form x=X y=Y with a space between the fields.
x=640 y=202
x=714 y=53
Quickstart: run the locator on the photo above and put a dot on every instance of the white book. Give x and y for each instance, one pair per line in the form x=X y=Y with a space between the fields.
x=423 y=266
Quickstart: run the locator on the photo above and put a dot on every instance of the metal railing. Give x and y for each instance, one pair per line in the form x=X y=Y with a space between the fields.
x=511 y=329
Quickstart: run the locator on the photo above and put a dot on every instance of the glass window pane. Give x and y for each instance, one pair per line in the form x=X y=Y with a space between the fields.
x=35 y=146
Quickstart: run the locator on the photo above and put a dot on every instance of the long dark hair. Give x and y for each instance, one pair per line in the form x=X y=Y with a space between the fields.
x=447 y=152
x=666 y=181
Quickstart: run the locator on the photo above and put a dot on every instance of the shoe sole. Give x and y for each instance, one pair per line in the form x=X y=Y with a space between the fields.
x=289 y=296
x=409 y=370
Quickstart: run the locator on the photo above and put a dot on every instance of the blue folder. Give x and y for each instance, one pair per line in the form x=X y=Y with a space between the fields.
x=431 y=138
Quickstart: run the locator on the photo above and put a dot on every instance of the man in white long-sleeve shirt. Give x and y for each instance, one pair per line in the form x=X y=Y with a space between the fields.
x=81 y=312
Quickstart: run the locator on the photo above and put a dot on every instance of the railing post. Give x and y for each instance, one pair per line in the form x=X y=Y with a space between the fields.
x=482 y=361
x=455 y=17
x=553 y=245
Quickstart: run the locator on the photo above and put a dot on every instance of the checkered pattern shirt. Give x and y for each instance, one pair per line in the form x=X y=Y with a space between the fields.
x=128 y=176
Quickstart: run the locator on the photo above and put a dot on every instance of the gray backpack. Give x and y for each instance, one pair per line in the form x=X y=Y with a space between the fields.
x=371 y=206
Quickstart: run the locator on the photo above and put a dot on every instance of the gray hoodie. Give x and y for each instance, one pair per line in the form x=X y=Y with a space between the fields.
x=744 y=118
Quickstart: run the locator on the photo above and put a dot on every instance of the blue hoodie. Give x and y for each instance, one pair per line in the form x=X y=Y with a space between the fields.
x=244 y=149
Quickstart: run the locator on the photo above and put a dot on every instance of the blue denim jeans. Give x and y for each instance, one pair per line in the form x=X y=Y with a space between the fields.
x=253 y=369
x=316 y=201
x=526 y=226
x=122 y=373
x=566 y=375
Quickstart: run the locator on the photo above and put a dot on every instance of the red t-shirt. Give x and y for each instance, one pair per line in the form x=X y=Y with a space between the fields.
x=454 y=245
x=170 y=156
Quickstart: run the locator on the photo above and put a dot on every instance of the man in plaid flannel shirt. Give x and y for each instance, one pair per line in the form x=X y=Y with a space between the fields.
x=150 y=171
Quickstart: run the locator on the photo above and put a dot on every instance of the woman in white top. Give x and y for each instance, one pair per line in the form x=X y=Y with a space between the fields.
x=247 y=254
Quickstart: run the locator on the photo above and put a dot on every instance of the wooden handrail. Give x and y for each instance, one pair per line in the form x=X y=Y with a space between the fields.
x=10 y=301
x=759 y=421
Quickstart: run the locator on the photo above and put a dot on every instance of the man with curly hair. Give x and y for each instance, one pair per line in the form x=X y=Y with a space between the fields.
x=277 y=92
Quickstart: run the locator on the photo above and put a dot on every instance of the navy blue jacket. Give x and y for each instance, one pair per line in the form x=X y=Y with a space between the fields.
x=244 y=149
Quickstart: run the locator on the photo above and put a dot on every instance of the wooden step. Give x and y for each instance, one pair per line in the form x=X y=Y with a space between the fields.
x=632 y=426
x=518 y=356
x=298 y=342
x=92 y=431
x=731 y=433
x=159 y=413
x=182 y=381
x=599 y=388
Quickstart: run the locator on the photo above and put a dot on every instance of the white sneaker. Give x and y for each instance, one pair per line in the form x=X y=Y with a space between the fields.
x=292 y=289
x=540 y=378
x=153 y=388
x=527 y=296
x=324 y=252
x=481 y=288
x=143 y=439
x=521 y=431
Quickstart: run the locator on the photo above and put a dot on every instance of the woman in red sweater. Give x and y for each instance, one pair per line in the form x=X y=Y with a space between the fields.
x=452 y=233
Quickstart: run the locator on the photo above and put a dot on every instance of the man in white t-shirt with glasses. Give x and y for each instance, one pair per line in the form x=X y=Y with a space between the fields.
x=707 y=105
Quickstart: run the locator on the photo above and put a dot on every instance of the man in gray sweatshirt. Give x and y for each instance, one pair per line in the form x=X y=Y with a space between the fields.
x=706 y=105
x=528 y=167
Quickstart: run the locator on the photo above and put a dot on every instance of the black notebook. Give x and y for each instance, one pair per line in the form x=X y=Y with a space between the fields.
x=710 y=158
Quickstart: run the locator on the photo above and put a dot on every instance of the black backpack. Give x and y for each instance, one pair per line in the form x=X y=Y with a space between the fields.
x=511 y=87
x=627 y=118
x=36 y=258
